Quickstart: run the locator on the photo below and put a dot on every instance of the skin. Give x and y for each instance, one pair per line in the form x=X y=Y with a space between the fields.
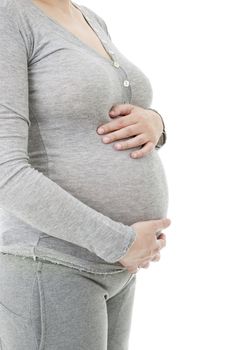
x=144 y=124
x=127 y=120
x=147 y=245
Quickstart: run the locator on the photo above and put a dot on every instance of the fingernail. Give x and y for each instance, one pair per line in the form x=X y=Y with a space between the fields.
x=106 y=139
x=100 y=130
x=134 y=155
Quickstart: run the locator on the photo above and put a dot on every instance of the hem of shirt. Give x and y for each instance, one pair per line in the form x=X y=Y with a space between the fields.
x=51 y=256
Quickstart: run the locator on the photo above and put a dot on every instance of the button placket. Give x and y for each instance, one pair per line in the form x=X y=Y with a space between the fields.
x=127 y=91
x=104 y=42
x=126 y=87
x=124 y=77
x=116 y=64
x=124 y=81
x=98 y=32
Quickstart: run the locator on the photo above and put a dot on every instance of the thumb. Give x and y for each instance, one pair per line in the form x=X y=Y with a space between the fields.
x=161 y=224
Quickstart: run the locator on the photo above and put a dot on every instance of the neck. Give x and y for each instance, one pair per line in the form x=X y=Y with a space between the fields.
x=63 y=5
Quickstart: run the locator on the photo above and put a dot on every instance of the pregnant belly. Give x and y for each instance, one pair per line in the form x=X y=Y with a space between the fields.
x=110 y=181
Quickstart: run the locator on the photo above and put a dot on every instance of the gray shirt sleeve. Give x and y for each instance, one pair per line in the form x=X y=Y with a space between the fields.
x=24 y=191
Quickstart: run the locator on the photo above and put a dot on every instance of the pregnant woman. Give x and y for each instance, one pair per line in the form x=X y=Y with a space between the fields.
x=78 y=216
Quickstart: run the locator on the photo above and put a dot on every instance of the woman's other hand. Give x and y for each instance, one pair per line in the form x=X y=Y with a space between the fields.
x=146 y=247
x=145 y=125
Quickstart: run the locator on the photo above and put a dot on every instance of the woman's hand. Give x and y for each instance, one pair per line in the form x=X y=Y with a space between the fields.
x=146 y=247
x=156 y=257
x=145 y=125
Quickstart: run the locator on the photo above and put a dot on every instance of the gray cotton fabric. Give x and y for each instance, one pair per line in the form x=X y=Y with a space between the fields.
x=65 y=196
x=44 y=306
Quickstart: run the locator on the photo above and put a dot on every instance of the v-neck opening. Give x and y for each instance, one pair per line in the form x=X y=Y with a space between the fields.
x=68 y=33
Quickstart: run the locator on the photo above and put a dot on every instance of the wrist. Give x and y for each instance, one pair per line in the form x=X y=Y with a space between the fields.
x=163 y=138
x=158 y=116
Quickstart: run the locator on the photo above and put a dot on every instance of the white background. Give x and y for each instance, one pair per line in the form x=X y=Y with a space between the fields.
x=184 y=301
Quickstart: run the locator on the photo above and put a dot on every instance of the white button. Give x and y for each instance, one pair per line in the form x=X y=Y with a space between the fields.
x=116 y=64
x=126 y=83
x=111 y=51
x=104 y=41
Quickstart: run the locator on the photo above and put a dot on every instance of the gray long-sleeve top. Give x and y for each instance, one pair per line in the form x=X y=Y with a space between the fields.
x=65 y=196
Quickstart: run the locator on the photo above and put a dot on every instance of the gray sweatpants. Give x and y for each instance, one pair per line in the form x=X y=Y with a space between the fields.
x=46 y=306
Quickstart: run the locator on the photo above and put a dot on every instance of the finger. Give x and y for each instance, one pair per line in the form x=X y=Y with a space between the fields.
x=132 y=269
x=145 y=265
x=121 y=109
x=162 y=236
x=161 y=243
x=147 y=148
x=145 y=260
x=156 y=257
x=133 y=142
x=120 y=134
x=158 y=233
x=163 y=239
x=161 y=224
x=116 y=124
